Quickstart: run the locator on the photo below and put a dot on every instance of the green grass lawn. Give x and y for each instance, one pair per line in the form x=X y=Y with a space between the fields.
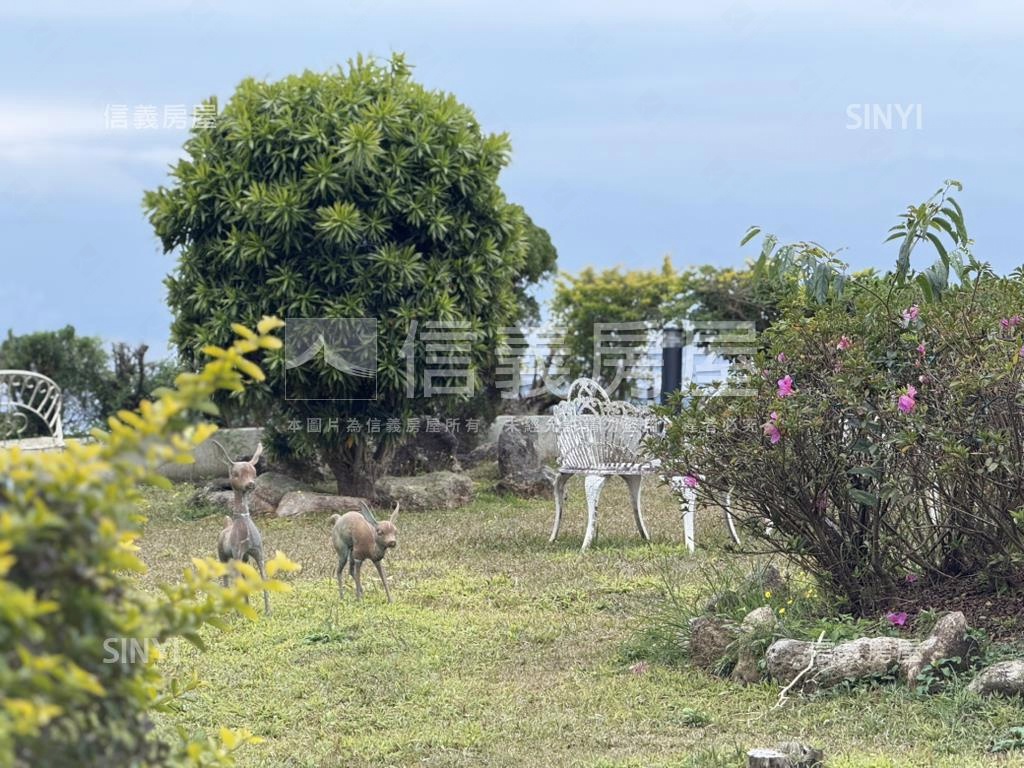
x=503 y=650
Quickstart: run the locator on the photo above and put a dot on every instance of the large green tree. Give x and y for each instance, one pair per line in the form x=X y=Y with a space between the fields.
x=356 y=193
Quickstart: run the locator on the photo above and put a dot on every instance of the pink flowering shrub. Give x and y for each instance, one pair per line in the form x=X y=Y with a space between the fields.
x=885 y=436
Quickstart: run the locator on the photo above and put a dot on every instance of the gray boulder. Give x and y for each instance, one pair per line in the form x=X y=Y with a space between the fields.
x=1003 y=679
x=482 y=453
x=710 y=638
x=519 y=463
x=755 y=628
x=948 y=640
x=434 y=490
x=426 y=451
x=297 y=503
x=209 y=460
x=271 y=487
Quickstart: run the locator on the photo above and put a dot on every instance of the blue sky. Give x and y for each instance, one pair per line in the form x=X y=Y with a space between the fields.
x=639 y=128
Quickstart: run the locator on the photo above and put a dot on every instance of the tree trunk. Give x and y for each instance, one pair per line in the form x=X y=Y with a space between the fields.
x=355 y=470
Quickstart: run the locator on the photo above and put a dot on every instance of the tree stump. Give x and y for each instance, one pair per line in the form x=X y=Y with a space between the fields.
x=767 y=758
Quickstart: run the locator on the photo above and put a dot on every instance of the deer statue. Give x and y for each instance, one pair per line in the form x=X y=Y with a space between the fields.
x=357 y=536
x=240 y=540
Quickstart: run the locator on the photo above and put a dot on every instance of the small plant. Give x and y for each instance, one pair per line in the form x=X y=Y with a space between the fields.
x=937 y=676
x=1011 y=742
x=693 y=717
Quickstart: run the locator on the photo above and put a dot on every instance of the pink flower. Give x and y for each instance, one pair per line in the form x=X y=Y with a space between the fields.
x=921 y=349
x=781 y=357
x=844 y=343
x=911 y=578
x=897 y=619
x=771 y=428
x=907 y=402
x=785 y=386
x=690 y=481
x=1010 y=322
x=910 y=314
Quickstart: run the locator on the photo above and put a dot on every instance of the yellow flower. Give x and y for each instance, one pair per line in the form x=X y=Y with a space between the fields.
x=782 y=611
x=768 y=595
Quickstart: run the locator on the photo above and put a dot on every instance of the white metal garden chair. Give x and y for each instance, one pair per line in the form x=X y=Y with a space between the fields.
x=27 y=397
x=599 y=437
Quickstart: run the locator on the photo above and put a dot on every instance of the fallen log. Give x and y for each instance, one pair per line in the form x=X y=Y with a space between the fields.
x=823 y=665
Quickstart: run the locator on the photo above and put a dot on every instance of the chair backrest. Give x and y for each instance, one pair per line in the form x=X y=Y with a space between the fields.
x=600 y=434
x=24 y=394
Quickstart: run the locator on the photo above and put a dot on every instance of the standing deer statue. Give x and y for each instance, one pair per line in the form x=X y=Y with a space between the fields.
x=240 y=540
x=357 y=536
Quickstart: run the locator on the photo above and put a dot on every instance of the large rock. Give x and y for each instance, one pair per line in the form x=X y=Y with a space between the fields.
x=482 y=453
x=757 y=626
x=519 y=464
x=868 y=657
x=543 y=426
x=710 y=638
x=1003 y=679
x=308 y=502
x=271 y=487
x=209 y=460
x=434 y=490
x=426 y=451
x=948 y=640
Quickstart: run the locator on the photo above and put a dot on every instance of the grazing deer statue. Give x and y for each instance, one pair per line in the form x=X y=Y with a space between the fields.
x=357 y=536
x=240 y=540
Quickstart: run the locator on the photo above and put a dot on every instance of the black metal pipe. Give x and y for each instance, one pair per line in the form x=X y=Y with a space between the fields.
x=671 y=362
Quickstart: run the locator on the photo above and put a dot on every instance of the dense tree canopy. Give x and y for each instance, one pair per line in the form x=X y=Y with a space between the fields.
x=351 y=194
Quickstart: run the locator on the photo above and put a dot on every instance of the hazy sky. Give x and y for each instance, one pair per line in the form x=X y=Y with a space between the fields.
x=639 y=128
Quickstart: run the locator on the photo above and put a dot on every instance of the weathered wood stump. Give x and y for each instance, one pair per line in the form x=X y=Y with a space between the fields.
x=788 y=754
x=767 y=758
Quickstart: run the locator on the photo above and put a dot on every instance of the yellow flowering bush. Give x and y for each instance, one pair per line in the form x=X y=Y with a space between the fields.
x=67 y=594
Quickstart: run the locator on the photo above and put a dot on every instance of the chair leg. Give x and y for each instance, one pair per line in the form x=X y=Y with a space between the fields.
x=560 y=482
x=633 y=482
x=690 y=518
x=593 y=485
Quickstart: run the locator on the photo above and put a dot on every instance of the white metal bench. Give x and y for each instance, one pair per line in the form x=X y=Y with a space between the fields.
x=28 y=398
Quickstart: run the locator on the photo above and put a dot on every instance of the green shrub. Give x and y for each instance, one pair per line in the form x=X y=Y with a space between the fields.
x=71 y=614
x=885 y=439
